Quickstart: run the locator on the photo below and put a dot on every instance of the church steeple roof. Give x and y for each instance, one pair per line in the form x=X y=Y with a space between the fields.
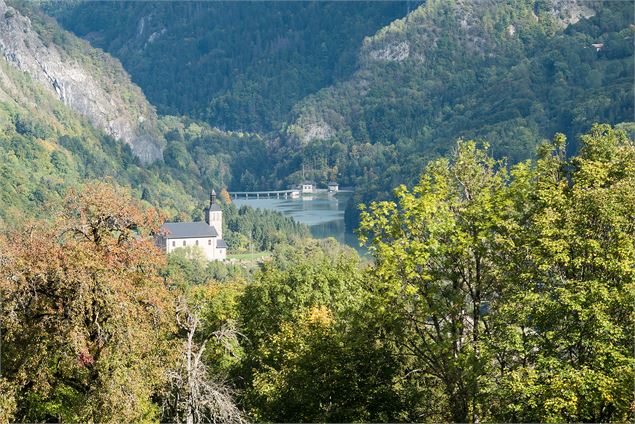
x=213 y=206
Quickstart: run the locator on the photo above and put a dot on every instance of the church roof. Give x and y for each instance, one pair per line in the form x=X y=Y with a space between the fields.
x=214 y=207
x=188 y=230
x=221 y=243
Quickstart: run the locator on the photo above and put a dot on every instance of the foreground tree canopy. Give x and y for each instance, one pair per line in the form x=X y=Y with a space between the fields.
x=497 y=293
x=84 y=314
x=88 y=325
x=508 y=295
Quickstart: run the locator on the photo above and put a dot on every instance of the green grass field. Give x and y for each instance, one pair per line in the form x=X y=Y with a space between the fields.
x=249 y=256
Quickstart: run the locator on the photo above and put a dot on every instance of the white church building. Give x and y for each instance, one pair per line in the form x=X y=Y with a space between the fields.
x=208 y=235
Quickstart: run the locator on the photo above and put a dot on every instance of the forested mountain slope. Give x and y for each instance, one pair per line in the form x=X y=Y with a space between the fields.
x=47 y=148
x=236 y=65
x=510 y=73
x=370 y=112
x=54 y=91
x=473 y=68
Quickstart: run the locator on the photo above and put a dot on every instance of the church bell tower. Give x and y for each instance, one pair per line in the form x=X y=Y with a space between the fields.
x=214 y=215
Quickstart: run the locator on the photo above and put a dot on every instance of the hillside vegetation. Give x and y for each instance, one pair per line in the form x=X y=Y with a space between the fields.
x=238 y=66
x=50 y=141
x=497 y=293
x=47 y=148
x=85 y=79
x=370 y=105
x=499 y=220
x=508 y=73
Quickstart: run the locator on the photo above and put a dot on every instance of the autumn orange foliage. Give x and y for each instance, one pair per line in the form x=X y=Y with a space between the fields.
x=86 y=317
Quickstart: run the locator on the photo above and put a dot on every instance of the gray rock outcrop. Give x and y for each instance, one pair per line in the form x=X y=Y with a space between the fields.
x=85 y=79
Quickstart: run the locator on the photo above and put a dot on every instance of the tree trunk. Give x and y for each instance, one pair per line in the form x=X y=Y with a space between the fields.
x=190 y=382
x=458 y=406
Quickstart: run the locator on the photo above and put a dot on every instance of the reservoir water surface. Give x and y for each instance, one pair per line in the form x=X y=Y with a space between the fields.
x=323 y=213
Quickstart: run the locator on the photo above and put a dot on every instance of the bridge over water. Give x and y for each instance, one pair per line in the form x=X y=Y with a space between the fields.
x=265 y=194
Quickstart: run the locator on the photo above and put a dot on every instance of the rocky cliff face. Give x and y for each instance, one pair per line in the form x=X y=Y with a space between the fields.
x=85 y=79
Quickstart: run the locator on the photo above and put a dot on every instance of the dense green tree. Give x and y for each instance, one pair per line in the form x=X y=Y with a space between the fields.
x=249 y=229
x=435 y=272
x=187 y=266
x=508 y=296
x=566 y=334
x=308 y=353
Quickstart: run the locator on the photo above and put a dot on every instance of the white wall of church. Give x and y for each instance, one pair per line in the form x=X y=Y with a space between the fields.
x=206 y=244
x=216 y=221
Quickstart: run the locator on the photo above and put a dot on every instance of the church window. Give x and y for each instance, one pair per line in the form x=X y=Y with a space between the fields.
x=197 y=242
x=184 y=242
x=209 y=242
x=173 y=243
